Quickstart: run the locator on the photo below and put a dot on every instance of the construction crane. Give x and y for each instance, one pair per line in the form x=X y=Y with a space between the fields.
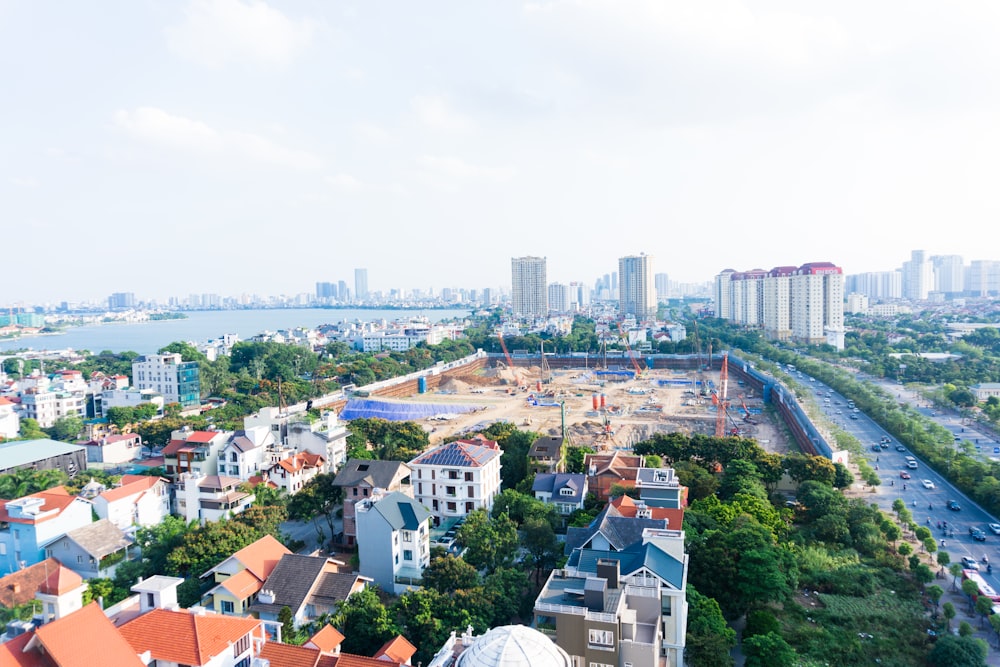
x=545 y=371
x=721 y=402
x=631 y=355
x=510 y=362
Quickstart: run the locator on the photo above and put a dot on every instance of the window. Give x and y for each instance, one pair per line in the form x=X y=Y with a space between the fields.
x=407 y=536
x=241 y=646
x=605 y=638
x=79 y=559
x=565 y=491
x=469 y=507
x=366 y=493
x=452 y=474
x=420 y=488
x=434 y=505
x=468 y=477
x=450 y=491
x=233 y=458
x=407 y=554
x=3 y=549
x=432 y=474
x=228 y=608
x=452 y=507
x=354 y=491
x=472 y=492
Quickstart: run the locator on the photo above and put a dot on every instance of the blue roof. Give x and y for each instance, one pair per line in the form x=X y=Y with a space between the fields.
x=637 y=556
x=25 y=452
x=460 y=453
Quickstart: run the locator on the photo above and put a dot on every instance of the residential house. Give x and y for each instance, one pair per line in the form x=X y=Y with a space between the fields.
x=328 y=640
x=114 y=449
x=140 y=500
x=360 y=478
x=393 y=540
x=48 y=406
x=194 y=452
x=10 y=422
x=61 y=594
x=984 y=390
x=309 y=655
x=546 y=454
x=241 y=576
x=29 y=524
x=293 y=473
x=606 y=470
x=85 y=637
x=176 y=380
x=309 y=586
x=182 y=637
x=126 y=397
x=19 y=587
x=42 y=454
x=566 y=491
x=457 y=478
x=92 y=551
x=659 y=487
x=210 y=497
x=245 y=454
x=326 y=436
x=612 y=530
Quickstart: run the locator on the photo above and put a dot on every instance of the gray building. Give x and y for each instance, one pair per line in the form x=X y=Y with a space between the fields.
x=393 y=540
x=42 y=455
x=529 y=295
x=95 y=550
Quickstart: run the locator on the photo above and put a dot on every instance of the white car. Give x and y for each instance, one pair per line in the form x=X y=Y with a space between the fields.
x=995 y=528
x=969 y=563
x=928 y=484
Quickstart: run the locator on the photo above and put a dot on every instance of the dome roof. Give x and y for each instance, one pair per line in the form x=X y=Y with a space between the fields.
x=513 y=646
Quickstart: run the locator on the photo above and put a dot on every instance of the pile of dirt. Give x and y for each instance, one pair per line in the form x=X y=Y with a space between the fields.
x=453 y=385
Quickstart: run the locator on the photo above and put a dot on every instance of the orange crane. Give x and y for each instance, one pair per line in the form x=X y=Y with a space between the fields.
x=631 y=355
x=747 y=418
x=510 y=362
x=722 y=404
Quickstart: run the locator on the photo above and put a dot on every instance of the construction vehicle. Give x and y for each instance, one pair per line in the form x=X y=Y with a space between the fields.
x=747 y=417
x=631 y=355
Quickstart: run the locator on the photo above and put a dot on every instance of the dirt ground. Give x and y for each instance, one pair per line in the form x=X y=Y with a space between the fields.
x=633 y=410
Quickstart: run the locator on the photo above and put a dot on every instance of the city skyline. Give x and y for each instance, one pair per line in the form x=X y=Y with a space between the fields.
x=229 y=146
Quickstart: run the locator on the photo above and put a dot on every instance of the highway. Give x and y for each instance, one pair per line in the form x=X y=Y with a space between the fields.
x=928 y=505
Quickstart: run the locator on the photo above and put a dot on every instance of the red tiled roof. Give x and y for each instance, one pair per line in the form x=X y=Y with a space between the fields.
x=4 y=401
x=627 y=507
x=143 y=483
x=242 y=585
x=397 y=649
x=180 y=636
x=286 y=655
x=61 y=580
x=348 y=660
x=261 y=557
x=86 y=637
x=202 y=437
x=173 y=447
x=328 y=639
x=300 y=461
x=12 y=653
x=20 y=587
x=55 y=498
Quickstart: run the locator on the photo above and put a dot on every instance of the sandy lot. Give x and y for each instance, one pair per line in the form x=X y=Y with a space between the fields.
x=633 y=410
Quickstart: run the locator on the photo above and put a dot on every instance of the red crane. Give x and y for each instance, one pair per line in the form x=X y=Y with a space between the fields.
x=506 y=354
x=631 y=355
x=722 y=404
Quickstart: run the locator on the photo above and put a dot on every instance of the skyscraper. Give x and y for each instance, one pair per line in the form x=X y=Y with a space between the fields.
x=559 y=298
x=918 y=276
x=360 y=284
x=636 y=292
x=528 y=287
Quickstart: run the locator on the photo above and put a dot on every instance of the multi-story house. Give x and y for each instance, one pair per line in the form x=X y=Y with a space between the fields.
x=566 y=491
x=126 y=397
x=393 y=540
x=183 y=637
x=607 y=470
x=659 y=487
x=240 y=577
x=10 y=422
x=246 y=453
x=114 y=449
x=30 y=524
x=326 y=437
x=177 y=381
x=292 y=473
x=360 y=478
x=47 y=406
x=309 y=586
x=138 y=500
x=457 y=478
x=546 y=454
x=194 y=452
x=92 y=551
x=210 y=497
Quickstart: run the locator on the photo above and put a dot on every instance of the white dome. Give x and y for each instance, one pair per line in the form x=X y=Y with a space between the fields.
x=513 y=646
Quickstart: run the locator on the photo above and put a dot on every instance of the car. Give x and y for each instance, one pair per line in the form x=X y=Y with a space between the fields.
x=876 y=448
x=912 y=465
x=954 y=506
x=904 y=475
x=884 y=445
x=969 y=563
x=995 y=528
x=977 y=534
x=900 y=448
x=928 y=484
x=854 y=416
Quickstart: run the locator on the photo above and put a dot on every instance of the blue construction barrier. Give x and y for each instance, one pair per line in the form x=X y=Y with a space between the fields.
x=364 y=408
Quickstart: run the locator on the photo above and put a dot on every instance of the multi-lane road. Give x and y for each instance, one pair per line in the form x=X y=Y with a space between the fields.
x=928 y=505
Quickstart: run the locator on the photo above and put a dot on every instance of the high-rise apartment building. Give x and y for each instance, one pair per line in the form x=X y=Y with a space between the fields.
x=559 y=298
x=662 y=283
x=778 y=302
x=723 y=287
x=817 y=302
x=177 y=381
x=876 y=285
x=326 y=291
x=529 y=297
x=121 y=301
x=949 y=273
x=918 y=276
x=360 y=284
x=983 y=278
x=636 y=291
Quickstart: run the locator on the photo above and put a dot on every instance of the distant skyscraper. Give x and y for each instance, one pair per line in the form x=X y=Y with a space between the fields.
x=121 y=301
x=983 y=278
x=360 y=284
x=326 y=291
x=662 y=282
x=559 y=298
x=343 y=293
x=528 y=287
x=636 y=292
x=949 y=273
x=918 y=276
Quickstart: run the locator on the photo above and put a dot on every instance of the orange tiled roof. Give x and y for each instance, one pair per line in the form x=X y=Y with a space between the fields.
x=627 y=507
x=56 y=498
x=242 y=585
x=348 y=660
x=286 y=655
x=300 y=461
x=173 y=447
x=262 y=556
x=328 y=639
x=61 y=580
x=202 y=437
x=142 y=483
x=12 y=653
x=397 y=649
x=20 y=587
x=180 y=636
x=86 y=637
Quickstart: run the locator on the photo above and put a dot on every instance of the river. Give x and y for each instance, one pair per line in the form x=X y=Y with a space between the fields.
x=199 y=326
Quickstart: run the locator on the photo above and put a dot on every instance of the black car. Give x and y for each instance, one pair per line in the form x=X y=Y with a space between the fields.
x=900 y=448
x=977 y=534
x=954 y=506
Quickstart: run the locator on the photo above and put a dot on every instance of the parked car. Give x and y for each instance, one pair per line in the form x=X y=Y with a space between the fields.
x=954 y=506
x=900 y=448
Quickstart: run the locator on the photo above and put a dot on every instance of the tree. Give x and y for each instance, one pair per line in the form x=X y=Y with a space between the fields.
x=287 y=621
x=971 y=589
x=543 y=548
x=962 y=651
x=490 y=543
x=955 y=569
x=984 y=607
x=448 y=573
x=319 y=497
x=575 y=457
x=995 y=624
x=768 y=650
x=948 y=610
x=67 y=429
x=934 y=593
x=709 y=637
x=365 y=622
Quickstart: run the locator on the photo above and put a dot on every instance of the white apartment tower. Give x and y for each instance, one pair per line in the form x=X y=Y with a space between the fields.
x=817 y=301
x=723 y=285
x=636 y=289
x=746 y=297
x=528 y=287
x=918 y=276
x=559 y=298
x=778 y=302
x=949 y=273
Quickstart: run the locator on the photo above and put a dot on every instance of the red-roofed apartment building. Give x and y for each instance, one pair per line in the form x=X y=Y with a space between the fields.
x=194 y=451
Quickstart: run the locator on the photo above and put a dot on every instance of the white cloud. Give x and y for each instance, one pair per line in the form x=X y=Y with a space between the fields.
x=346 y=182
x=156 y=126
x=449 y=172
x=436 y=112
x=24 y=182
x=371 y=132
x=217 y=32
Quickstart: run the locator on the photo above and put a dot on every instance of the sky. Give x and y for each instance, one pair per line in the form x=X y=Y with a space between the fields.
x=241 y=146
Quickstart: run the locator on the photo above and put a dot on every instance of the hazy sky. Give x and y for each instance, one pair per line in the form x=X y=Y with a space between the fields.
x=228 y=146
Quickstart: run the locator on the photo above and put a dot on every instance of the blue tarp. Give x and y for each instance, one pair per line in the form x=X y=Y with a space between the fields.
x=361 y=408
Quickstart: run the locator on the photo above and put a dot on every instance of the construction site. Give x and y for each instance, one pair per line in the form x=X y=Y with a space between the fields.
x=600 y=407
